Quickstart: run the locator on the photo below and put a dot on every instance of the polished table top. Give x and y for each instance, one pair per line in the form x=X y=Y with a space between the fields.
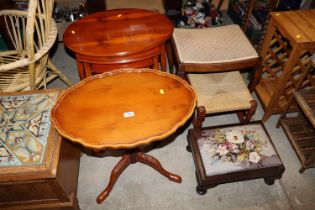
x=123 y=108
x=118 y=32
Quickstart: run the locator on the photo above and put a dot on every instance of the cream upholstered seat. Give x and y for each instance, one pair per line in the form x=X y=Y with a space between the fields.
x=213 y=49
x=220 y=93
x=154 y=5
x=217 y=91
x=200 y=53
x=213 y=45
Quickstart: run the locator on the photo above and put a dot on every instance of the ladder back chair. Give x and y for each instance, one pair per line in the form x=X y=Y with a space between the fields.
x=32 y=34
x=210 y=59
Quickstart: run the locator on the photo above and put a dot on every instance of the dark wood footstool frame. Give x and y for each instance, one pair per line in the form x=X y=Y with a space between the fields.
x=244 y=116
x=205 y=182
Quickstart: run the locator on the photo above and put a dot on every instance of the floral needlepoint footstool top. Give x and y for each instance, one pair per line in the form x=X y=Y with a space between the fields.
x=24 y=128
x=237 y=148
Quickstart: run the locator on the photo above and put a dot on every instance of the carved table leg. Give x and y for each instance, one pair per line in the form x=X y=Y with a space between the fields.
x=117 y=170
x=154 y=163
x=131 y=158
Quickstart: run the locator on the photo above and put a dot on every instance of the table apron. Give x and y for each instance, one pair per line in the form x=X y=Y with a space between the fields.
x=88 y=65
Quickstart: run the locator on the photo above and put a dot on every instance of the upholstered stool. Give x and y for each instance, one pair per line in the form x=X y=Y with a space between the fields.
x=219 y=93
x=154 y=5
x=221 y=49
x=37 y=168
x=232 y=153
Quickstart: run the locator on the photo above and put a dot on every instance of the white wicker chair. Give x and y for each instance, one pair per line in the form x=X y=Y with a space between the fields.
x=32 y=33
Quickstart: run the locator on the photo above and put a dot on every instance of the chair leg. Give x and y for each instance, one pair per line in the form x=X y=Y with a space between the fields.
x=256 y=76
x=199 y=116
x=170 y=57
x=245 y=116
x=52 y=67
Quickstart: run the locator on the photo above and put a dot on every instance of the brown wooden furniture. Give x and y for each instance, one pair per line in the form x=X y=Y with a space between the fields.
x=197 y=61
x=153 y=5
x=285 y=59
x=38 y=170
x=124 y=109
x=113 y=39
x=256 y=14
x=300 y=128
x=243 y=12
x=231 y=153
x=32 y=33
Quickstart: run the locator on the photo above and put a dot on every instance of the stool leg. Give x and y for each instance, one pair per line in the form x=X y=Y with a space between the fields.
x=201 y=191
x=269 y=181
x=245 y=116
x=181 y=74
x=188 y=148
x=251 y=111
x=199 y=116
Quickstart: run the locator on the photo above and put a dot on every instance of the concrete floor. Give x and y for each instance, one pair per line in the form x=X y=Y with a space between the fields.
x=140 y=187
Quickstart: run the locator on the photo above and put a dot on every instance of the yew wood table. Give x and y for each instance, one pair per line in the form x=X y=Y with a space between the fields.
x=124 y=109
x=115 y=39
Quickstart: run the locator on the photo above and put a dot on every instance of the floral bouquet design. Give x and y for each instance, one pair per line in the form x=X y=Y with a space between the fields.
x=241 y=146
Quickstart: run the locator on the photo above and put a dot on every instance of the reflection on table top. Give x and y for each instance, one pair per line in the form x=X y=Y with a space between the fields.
x=118 y=32
x=123 y=108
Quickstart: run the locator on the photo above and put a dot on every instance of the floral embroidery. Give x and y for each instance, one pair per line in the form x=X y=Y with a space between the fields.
x=238 y=146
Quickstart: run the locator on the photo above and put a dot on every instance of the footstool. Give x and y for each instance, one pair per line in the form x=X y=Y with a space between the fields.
x=231 y=153
x=38 y=169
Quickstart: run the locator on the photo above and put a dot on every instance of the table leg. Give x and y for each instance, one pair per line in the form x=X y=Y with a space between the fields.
x=131 y=158
x=87 y=69
x=84 y=69
x=156 y=62
x=154 y=163
x=117 y=170
x=80 y=70
x=163 y=57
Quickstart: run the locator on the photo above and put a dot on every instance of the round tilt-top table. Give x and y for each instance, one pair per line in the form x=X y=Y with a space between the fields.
x=115 y=39
x=124 y=109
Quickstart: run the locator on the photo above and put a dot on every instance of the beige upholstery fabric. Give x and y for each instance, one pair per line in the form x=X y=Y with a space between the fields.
x=213 y=45
x=221 y=92
x=154 y=5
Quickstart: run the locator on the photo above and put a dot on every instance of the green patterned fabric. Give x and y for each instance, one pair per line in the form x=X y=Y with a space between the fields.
x=24 y=128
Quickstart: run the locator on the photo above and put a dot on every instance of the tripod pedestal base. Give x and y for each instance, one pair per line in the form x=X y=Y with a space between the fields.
x=132 y=158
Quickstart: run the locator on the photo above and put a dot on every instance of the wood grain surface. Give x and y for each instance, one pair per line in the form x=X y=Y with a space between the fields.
x=297 y=26
x=118 y=32
x=123 y=108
